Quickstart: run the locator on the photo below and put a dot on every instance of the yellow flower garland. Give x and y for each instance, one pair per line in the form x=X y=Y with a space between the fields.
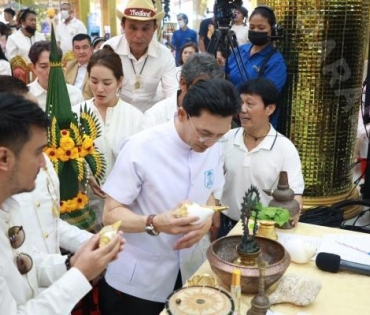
x=77 y=203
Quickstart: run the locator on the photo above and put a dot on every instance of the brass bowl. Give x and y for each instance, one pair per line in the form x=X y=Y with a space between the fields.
x=222 y=254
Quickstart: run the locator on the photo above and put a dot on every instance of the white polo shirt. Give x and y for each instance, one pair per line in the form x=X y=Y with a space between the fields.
x=156 y=170
x=75 y=95
x=19 y=44
x=259 y=167
x=65 y=33
x=161 y=112
x=158 y=68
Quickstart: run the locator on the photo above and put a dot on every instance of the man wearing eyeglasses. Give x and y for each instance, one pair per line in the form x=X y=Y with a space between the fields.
x=156 y=170
x=22 y=140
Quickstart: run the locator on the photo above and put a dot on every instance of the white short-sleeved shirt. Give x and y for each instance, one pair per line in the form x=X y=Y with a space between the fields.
x=20 y=44
x=159 y=68
x=161 y=112
x=241 y=32
x=259 y=167
x=156 y=170
x=75 y=95
x=65 y=33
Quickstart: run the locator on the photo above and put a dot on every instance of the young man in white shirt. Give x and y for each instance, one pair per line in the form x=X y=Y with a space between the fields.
x=39 y=55
x=22 y=139
x=68 y=28
x=239 y=25
x=156 y=170
x=21 y=41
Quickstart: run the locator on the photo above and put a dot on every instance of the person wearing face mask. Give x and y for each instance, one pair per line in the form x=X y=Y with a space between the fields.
x=68 y=28
x=260 y=58
x=21 y=41
x=182 y=36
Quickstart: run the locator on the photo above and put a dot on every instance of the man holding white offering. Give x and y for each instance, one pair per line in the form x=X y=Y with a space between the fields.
x=157 y=170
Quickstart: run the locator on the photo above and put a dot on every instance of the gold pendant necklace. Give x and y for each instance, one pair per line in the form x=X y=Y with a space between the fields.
x=137 y=84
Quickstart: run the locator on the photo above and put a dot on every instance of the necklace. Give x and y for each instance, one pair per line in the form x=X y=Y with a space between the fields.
x=137 y=83
x=254 y=137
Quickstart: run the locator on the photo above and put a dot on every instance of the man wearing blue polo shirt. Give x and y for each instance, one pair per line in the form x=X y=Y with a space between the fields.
x=183 y=35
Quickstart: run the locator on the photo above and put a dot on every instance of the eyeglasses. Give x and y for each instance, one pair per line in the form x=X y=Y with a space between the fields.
x=205 y=139
x=16 y=237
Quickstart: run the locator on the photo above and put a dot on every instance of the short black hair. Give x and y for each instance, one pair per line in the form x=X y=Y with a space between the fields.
x=38 y=47
x=263 y=88
x=12 y=84
x=25 y=13
x=217 y=96
x=18 y=116
x=10 y=11
x=80 y=37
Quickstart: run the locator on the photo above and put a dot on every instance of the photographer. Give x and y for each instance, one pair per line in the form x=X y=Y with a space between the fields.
x=260 y=58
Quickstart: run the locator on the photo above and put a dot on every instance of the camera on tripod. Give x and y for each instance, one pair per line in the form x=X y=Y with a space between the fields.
x=223 y=11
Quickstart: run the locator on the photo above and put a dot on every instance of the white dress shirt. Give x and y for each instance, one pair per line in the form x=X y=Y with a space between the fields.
x=159 y=68
x=241 y=32
x=49 y=232
x=65 y=33
x=80 y=77
x=20 y=293
x=75 y=95
x=160 y=112
x=20 y=44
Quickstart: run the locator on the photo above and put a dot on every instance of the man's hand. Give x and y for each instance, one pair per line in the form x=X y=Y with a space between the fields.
x=193 y=236
x=92 y=260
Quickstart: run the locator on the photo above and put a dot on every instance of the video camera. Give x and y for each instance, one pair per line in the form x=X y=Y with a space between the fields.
x=223 y=11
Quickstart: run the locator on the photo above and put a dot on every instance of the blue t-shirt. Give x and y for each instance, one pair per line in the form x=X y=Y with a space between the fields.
x=180 y=38
x=275 y=69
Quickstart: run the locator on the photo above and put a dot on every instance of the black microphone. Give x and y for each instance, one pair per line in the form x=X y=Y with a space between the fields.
x=333 y=263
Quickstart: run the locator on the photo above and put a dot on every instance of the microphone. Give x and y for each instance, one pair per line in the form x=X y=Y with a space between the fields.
x=333 y=263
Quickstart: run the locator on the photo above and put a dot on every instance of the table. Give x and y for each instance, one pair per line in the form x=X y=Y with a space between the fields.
x=341 y=294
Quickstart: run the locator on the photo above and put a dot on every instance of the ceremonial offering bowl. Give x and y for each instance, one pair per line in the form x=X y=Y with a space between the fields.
x=223 y=257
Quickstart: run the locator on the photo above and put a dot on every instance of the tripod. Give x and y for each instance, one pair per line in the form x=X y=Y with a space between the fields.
x=225 y=37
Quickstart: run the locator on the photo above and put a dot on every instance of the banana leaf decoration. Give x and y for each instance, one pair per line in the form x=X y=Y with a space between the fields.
x=71 y=146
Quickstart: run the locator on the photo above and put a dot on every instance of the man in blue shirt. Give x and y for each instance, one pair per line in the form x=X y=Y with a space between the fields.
x=183 y=35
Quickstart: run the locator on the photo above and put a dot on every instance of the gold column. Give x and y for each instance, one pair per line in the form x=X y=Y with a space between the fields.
x=109 y=17
x=324 y=51
x=81 y=9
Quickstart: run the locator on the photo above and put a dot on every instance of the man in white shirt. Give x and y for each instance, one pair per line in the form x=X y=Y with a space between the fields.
x=68 y=28
x=146 y=63
x=76 y=70
x=21 y=41
x=39 y=55
x=22 y=139
x=239 y=25
x=198 y=67
x=156 y=170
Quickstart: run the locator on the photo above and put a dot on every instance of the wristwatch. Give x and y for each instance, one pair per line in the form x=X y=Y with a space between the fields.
x=149 y=227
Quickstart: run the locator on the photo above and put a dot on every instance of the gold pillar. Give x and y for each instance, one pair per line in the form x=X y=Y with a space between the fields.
x=81 y=9
x=108 y=8
x=324 y=51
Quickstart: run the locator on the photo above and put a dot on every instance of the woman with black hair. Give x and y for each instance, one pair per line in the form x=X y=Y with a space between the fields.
x=260 y=58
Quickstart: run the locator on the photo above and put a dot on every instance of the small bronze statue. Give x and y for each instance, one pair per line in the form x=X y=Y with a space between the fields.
x=248 y=249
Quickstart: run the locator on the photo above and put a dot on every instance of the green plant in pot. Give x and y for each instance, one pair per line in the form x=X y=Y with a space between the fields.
x=268 y=218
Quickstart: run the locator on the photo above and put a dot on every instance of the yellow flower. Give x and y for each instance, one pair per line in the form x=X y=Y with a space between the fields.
x=74 y=154
x=52 y=154
x=87 y=143
x=81 y=200
x=64 y=133
x=61 y=154
x=67 y=143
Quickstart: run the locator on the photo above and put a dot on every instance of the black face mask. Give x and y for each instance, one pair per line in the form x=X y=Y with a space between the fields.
x=30 y=30
x=258 y=38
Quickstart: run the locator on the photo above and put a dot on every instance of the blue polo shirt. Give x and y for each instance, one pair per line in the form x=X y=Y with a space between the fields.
x=180 y=38
x=275 y=69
